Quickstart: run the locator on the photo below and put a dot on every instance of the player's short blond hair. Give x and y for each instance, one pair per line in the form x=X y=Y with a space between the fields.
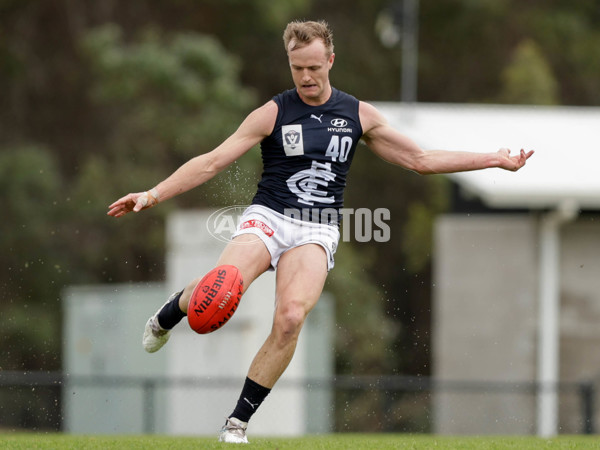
x=297 y=34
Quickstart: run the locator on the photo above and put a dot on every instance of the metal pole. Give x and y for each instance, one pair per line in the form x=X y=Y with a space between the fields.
x=547 y=399
x=587 y=392
x=410 y=30
x=548 y=322
x=149 y=391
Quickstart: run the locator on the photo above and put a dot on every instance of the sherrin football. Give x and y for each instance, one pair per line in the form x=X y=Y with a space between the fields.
x=215 y=299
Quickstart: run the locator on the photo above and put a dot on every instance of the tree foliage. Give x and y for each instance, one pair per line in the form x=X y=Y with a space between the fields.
x=528 y=79
x=34 y=267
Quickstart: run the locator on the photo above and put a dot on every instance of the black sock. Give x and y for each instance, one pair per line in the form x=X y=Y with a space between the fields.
x=250 y=399
x=170 y=314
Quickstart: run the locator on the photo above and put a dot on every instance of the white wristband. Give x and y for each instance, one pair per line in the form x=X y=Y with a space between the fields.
x=154 y=193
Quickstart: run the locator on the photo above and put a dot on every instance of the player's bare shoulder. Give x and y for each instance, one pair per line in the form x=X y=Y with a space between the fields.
x=269 y=109
x=370 y=118
x=263 y=118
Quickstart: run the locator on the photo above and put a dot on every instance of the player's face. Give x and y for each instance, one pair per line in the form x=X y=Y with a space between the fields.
x=310 y=67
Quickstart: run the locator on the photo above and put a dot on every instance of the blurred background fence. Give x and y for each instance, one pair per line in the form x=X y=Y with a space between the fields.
x=405 y=402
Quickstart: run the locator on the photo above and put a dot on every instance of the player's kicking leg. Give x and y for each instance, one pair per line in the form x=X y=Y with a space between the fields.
x=246 y=252
x=301 y=275
x=155 y=333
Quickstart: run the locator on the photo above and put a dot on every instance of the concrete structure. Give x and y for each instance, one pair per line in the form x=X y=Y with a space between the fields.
x=486 y=320
x=102 y=341
x=503 y=284
x=193 y=382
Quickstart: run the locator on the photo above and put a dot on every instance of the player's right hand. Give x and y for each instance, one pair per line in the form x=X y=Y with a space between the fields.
x=133 y=202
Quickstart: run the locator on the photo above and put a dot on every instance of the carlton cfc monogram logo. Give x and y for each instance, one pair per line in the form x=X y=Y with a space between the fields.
x=310 y=185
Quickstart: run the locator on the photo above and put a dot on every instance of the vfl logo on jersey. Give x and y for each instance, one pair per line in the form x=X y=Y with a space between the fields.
x=339 y=126
x=310 y=184
x=293 y=144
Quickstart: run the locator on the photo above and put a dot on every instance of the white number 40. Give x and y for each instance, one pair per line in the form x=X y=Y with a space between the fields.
x=339 y=149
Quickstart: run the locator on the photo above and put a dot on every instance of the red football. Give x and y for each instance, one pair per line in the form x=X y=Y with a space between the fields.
x=215 y=299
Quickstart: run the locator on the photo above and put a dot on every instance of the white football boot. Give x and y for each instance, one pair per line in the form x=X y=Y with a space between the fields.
x=156 y=336
x=234 y=431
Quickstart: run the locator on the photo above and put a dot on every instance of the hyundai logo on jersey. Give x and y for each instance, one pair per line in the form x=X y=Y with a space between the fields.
x=339 y=123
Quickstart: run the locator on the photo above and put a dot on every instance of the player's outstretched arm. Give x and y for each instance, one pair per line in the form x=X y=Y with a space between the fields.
x=398 y=149
x=202 y=168
x=134 y=202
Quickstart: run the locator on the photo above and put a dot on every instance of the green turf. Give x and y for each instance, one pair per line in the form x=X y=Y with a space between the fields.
x=325 y=442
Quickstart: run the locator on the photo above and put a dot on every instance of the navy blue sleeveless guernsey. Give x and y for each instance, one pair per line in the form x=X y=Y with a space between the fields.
x=307 y=156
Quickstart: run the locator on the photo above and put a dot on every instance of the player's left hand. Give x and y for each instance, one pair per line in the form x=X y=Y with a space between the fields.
x=513 y=163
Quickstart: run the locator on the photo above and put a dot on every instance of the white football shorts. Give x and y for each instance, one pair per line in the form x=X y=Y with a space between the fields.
x=281 y=233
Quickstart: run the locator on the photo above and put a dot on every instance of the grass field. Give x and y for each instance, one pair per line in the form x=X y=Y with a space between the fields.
x=326 y=442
